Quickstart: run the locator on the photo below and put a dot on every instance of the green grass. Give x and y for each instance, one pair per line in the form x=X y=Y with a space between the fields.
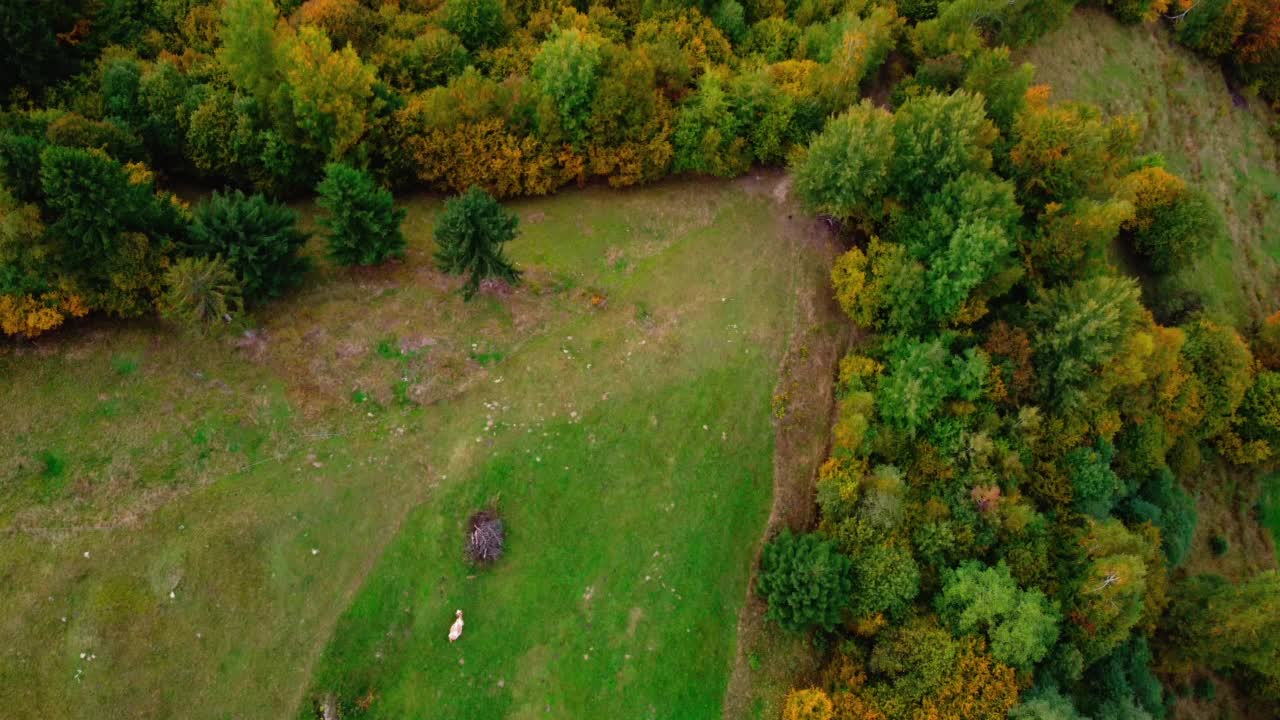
x=1188 y=116
x=232 y=525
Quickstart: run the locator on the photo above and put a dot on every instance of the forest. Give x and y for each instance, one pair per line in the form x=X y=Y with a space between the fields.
x=1032 y=402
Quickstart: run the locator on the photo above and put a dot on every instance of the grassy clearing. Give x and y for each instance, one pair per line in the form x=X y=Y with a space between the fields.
x=188 y=525
x=1190 y=118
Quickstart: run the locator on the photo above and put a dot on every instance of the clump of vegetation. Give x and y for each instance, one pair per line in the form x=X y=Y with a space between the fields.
x=258 y=240
x=363 y=225
x=805 y=580
x=201 y=293
x=486 y=537
x=469 y=237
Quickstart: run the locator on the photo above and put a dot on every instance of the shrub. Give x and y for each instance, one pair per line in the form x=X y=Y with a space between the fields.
x=470 y=234
x=200 y=293
x=258 y=239
x=1219 y=545
x=804 y=581
x=810 y=704
x=363 y=223
x=1179 y=232
x=478 y=23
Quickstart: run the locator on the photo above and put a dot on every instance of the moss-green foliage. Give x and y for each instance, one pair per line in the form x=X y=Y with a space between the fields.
x=201 y=293
x=567 y=69
x=1078 y=329
x=479 y=23
x=110 y=231
x=1021 y=625
x=1179 y=232
x=920 y=376
x=845 y=170
x=805 y=581
x=257 y=238
x=1213 y=28
x=363 y=223
x=1229 y=626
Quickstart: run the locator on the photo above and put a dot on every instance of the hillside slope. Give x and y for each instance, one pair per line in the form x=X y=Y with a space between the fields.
x=1216 y=138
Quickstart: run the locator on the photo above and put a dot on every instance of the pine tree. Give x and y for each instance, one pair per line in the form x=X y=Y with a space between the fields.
x=469 y=236
x=364 y=223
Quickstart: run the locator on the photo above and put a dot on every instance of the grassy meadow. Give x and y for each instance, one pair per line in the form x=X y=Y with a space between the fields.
x=1188 y=115
x=245 y=526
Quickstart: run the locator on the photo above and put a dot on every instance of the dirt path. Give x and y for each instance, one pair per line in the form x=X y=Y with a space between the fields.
x=804 y=402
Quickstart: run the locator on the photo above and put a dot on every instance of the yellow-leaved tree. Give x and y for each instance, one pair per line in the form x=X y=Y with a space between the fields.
x=331 y=92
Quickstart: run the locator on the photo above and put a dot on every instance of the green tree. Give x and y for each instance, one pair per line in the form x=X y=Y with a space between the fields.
x=1228 y=626
x=469 y=237
x=567 y=70
x=20 y=164
x=921 y=375
x=249 y=52
x=478 y=23
x=1078 y=329
x=1118 y=587
x=915 y=658
x=804 y=581
x=1212 y=26
x=258 y=239
x=992 y=74
x=110 y=230
x=1258 y=417
x=845 y=171
x=1223 y=368
x=1044 y=703
x=200 y=293
x=1179 y=232
x=1163 y=503
x=1021 y=625
x=363 y=223
x=708 y=138
x=1095 y=486
x=937 y=138
x=886 y=580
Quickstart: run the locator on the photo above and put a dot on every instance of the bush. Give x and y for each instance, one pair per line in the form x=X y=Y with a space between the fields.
x=804 y=581
x=258 y=239
x=200 y=293
x=811 y=704
x=364 y=223
x=470 y=234
x=1179 y=232
x=479 y=23
x=486 y=537
x=1219 y=545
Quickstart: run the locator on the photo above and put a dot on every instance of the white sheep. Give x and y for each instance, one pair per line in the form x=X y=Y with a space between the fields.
x=455 y=631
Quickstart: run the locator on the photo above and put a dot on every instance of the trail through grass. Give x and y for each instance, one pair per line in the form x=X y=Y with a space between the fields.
x=188 y=525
